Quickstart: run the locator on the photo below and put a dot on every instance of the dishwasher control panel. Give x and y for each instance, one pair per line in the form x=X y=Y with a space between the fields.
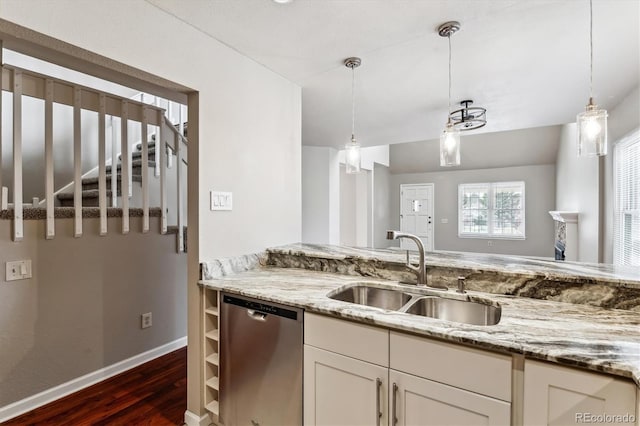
x=261 y=307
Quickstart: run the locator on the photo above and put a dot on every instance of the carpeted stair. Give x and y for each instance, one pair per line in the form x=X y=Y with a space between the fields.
x=90 y=193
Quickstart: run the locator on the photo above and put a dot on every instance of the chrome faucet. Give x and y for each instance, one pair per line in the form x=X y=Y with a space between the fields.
x=421 y=270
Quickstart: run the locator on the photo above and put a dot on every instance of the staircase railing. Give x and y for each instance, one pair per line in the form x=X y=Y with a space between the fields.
x=23 y=82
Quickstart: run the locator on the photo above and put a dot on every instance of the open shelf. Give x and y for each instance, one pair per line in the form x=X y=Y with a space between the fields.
x=211 y=350
x=213 y=335
x=214 y=383
x=213 y=407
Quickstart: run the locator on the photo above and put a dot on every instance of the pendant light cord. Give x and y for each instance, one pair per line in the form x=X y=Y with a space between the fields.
x=591 y=50
x=353 y=103
x=449 y=118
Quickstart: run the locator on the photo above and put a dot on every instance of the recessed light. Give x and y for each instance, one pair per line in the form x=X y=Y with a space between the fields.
x=282 y=1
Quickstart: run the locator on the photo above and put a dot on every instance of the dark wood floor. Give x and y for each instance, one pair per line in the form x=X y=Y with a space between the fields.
x=154 y=393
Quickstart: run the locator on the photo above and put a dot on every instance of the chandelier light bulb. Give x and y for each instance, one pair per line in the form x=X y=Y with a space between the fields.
x=450 y=146
x=592 y=128
x=352 y=156
x=592 y=131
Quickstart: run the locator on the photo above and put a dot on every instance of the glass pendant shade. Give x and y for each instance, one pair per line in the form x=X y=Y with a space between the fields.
x=450 y=146
x=352 y=156
x=592 y=131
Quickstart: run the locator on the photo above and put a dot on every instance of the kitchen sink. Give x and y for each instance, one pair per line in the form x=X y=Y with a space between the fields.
x=458 y=308
x=464 y=311
x=373 y=296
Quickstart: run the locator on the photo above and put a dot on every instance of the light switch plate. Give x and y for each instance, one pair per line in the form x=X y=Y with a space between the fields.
x=18 y=270
x=444 y=220
x=221 y=200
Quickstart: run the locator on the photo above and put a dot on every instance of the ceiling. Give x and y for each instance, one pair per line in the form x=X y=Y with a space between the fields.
x=525 y=147
x=526 y=61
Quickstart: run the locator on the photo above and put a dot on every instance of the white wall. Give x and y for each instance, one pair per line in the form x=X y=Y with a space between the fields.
x=363 y=208
x=381 y=205
x=356 y=208
x=320 y=195
x=578 y=190
x=348 y=232
x=539 y=199
x=623 y=119
x=249 y=116
x=81 y=310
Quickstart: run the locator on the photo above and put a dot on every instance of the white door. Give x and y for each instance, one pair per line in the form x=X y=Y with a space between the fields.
x=420 y=402
x=343 y=391
x=416 y=214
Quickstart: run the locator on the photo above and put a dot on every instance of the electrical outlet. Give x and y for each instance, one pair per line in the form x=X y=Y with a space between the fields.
x=490 y=243
x=147 y=320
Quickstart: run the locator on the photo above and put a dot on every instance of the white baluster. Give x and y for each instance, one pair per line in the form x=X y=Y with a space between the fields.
x=48 y=155
x=145 y=171
x=102 y=166
x=18 y=228
x=77 y=161
x=124 y=177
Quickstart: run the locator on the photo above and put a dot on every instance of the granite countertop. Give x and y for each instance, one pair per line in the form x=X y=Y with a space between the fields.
x=624 y=276
x=603 y=340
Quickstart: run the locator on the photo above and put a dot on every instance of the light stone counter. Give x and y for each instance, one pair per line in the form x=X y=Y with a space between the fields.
x=601 y=285
x=604 y=340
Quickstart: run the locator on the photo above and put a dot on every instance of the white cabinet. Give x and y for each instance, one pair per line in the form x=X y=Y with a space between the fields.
x=347 y=380
x=555 y=396
x=340 y=390
x=421 y=402
x=438 y=383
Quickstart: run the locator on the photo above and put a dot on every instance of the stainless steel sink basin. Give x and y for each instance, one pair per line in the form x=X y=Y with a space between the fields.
x=456 y=308
x=373 y=296
x=464 y=311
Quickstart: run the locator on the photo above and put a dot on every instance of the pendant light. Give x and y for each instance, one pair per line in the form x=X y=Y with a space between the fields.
x=352 y=149
x=450 y=138
x=592 y=123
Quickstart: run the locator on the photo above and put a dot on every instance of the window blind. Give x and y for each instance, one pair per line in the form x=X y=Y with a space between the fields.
x=626 y=160
x=491 y=210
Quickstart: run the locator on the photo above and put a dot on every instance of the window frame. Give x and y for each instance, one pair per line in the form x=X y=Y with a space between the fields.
x=619 y=252
x=492 y=186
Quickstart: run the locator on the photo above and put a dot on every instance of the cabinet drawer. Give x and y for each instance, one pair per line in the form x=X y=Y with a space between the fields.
x=359 y=341
x=475 y=370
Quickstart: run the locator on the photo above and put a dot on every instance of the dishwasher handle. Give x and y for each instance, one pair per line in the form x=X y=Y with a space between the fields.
x=258 y=316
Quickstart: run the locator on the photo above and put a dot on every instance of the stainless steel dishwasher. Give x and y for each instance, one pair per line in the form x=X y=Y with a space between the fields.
x=261 y=363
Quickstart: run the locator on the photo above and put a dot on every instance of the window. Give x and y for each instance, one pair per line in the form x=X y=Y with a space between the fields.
x=491 y=210
x=626 y=240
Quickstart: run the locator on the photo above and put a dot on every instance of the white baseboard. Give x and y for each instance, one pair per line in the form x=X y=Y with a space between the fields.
x=32 y=402
x=191 y=419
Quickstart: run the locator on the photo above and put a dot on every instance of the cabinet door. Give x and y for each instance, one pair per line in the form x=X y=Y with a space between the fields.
x=339 y=390
x=555 y=395
x=421 y=402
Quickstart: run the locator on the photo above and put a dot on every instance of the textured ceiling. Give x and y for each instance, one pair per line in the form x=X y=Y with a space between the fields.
x=526 y=61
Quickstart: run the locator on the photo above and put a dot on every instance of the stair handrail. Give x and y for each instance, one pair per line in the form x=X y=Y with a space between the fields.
x=52 y=90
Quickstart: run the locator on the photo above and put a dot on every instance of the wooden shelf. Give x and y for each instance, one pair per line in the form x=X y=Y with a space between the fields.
x=213 y=335
x=211 y=323
x=213 y=383
x=213 y=359
x=213 y=407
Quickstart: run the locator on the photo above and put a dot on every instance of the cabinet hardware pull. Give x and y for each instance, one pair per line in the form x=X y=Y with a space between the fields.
x=378 y=412
x=394 y=419
x=258 y=316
